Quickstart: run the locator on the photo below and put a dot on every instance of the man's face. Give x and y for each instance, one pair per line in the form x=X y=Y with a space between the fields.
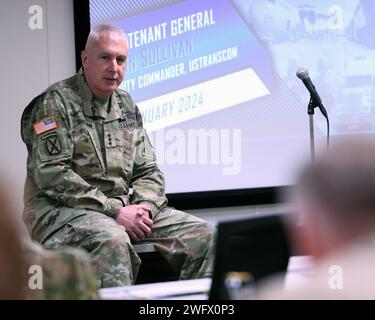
x=104 y=63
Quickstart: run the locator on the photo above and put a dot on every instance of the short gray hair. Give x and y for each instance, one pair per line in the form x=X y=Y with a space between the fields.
x=98 y=29
x=343 y=180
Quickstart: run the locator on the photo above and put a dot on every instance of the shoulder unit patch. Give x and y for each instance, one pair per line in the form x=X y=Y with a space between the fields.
x=53 y=145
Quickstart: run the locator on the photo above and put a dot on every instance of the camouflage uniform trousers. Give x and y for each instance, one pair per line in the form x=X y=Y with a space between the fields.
x=185 y=241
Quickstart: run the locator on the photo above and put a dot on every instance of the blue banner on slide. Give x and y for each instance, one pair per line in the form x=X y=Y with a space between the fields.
x=188 y=43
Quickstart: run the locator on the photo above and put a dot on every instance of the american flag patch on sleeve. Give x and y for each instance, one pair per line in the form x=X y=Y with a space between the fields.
x=45 y=125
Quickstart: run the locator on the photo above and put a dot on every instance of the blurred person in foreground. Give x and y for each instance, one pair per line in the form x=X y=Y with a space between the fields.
x=13 y=265
x=28 y=271
x=335 y=198
x=67 y=273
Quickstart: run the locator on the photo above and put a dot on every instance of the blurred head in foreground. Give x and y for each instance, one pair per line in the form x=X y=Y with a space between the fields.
x=335 y=197
x=334 y=202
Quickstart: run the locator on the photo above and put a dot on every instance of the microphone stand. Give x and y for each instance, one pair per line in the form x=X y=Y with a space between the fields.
x=311 y=112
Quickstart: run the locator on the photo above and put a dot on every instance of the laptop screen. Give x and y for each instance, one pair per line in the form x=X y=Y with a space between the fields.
x=257 y=246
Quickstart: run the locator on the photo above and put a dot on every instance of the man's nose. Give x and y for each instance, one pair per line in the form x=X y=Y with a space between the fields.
x=113 y=67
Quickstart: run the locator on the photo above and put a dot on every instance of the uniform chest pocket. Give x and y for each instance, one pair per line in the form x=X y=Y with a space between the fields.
x=86 y=158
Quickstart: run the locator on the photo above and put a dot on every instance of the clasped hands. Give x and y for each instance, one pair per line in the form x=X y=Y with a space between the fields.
x=135 y=219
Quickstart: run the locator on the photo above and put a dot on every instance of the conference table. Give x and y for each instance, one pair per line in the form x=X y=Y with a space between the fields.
x=299 y=269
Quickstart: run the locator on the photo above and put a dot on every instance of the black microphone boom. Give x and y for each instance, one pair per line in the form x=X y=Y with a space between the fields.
x=303 y=74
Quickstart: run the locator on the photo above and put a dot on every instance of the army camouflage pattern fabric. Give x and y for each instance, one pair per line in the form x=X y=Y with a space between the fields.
x=67 y=273
x=78 y=177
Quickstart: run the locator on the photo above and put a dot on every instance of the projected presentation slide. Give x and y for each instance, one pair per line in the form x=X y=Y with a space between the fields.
x=215 y=82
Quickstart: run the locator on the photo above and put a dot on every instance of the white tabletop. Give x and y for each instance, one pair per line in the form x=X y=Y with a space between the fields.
x=299 y=268
x=182 y=289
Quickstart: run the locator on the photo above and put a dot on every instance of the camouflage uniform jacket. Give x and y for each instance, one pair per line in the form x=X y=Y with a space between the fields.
x=81 y=155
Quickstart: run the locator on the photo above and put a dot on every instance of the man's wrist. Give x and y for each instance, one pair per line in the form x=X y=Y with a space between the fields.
x=112 y=208
x=124 y=200
x=152 y=208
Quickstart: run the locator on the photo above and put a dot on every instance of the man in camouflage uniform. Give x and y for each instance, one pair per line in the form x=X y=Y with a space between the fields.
x=86 y=149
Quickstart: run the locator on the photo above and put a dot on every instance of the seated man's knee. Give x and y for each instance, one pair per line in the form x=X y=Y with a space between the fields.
x=113 y=238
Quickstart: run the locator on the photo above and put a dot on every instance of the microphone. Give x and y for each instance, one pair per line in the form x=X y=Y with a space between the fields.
x=303 y=74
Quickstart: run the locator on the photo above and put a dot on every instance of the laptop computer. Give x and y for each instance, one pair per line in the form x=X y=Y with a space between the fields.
x=257 y=246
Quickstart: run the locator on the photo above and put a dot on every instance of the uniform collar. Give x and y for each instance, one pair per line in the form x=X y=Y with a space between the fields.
x=92 y=107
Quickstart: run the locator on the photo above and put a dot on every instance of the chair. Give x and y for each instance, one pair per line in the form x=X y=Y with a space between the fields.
x=154 y=267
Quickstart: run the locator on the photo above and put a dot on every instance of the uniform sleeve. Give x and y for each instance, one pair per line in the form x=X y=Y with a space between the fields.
x=51 y=160
x=147 y=179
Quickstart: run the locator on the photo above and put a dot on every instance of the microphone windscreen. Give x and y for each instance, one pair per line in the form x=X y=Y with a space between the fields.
x=302 y=73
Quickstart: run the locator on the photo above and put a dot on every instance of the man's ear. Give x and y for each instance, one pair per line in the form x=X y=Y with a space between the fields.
x=84 y=58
